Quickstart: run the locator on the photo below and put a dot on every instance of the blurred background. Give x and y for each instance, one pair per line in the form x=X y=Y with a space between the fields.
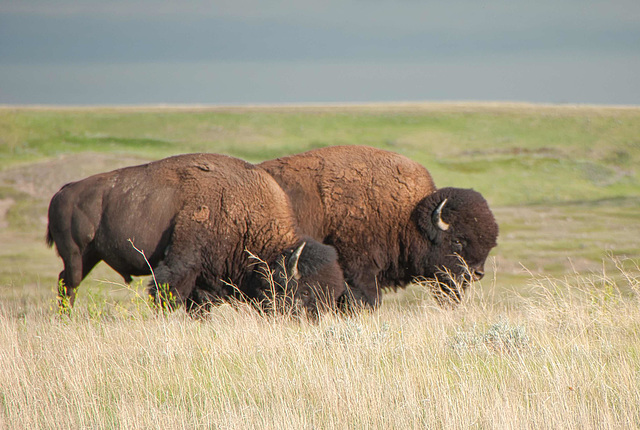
x=285 y=51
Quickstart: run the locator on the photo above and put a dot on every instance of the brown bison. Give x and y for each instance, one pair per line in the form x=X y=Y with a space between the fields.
x=388 y=222
x=196 y=217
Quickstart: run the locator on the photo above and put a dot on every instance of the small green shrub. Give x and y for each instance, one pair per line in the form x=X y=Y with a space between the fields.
x=502 y=336
x=163 y=301
x=64 y=301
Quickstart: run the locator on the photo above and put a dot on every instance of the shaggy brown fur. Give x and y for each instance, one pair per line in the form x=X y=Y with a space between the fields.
x=195 y=216
x=377 y=209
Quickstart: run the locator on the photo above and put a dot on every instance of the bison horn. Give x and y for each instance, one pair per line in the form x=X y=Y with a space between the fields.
x=437 y=217
x=293 y=262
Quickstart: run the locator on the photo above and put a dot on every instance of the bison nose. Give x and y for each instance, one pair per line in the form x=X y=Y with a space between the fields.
x=478 y=274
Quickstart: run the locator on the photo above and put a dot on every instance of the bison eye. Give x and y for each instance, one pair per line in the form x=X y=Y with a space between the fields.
x=457 y=245
x=305 y=293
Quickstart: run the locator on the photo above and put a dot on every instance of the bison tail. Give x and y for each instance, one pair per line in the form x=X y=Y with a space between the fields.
x=49 y=238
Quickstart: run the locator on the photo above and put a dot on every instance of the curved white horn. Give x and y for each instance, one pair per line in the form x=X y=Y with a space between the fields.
x=293 y=262
x=437 y=217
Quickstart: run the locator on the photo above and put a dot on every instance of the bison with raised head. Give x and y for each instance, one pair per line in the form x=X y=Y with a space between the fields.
x=197 y=218
x=388 y=222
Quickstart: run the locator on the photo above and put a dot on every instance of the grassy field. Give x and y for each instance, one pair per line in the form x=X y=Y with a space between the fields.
x=550 y=338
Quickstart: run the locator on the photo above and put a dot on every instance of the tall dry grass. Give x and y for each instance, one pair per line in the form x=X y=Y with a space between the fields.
x=567 y=355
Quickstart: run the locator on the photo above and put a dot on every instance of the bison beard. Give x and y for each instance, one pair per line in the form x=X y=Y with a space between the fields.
x=196 y=216
x=387 y=221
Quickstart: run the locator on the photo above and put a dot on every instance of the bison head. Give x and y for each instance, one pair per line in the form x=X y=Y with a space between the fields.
x=308 y=277
x=460 y=230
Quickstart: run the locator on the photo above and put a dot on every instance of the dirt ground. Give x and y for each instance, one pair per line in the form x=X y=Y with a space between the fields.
x=41 y=180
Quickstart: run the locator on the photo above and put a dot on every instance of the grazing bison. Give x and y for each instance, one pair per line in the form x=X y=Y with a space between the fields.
x=388 y=222
x=196 y=217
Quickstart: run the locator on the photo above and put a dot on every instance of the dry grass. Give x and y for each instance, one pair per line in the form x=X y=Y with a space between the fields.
x=567 y=356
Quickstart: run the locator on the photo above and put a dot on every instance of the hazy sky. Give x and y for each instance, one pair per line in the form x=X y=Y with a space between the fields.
x=252 y=51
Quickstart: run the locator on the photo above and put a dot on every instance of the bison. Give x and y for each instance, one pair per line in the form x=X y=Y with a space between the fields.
x=197 y=218
x=388 y=222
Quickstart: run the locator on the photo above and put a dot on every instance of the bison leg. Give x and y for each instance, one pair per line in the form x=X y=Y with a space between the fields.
x=173 y=284
x=66 y=293
x=69 y=279
x=76 y=268
x=200 y=301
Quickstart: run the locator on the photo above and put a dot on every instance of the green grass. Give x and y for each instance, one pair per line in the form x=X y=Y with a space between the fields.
x=533 y=155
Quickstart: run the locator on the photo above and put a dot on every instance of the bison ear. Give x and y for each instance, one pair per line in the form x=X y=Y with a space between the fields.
x=292 y=265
